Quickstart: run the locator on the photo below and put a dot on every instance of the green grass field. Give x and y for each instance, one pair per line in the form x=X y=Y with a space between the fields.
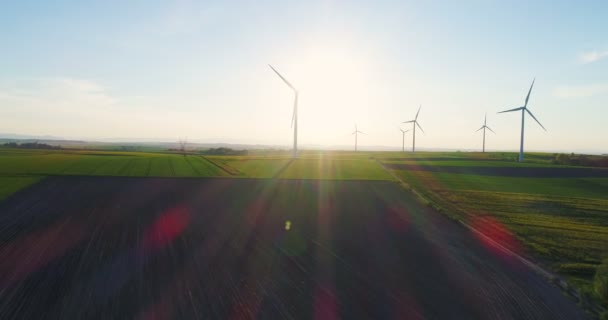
x=253 y=167
x=359 y=169
x=100 y=163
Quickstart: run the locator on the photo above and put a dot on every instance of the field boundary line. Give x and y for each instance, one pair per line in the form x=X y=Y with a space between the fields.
x=280 y=171
x=217 y=165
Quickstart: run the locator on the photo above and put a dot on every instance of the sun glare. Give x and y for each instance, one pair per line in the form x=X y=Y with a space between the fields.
x=334 y=83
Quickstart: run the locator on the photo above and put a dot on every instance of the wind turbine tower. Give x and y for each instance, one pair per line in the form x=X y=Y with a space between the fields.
x=294 y=117
x=484 y=127
x=403 y=139
x=356 y=133
x=414 y=124
x=524 y=109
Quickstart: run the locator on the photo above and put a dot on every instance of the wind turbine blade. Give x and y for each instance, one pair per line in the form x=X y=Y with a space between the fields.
x=528 y=96
x=480 y=128
x=282 y=78
x=353 y=133
x=530 y=113
x=362 y=132
x=515 y=109
x=409 y=121
x=295 y=106
x=419 y=126
x=490 y=129
x=418 y=112
x=485 y=118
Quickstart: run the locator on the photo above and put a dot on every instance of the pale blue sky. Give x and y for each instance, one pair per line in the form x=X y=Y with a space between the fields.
x=169 y=69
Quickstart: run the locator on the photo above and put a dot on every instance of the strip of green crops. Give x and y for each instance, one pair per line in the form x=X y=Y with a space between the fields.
x=256 y=168
x=470 y=163
x=106 y=164
x=568 y=187
x=363 y=169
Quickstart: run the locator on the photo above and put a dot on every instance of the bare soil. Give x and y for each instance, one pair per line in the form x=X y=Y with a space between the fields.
x=527 y=172
x=141 y=248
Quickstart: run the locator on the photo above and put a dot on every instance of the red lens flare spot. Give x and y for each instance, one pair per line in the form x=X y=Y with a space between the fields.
x=255 y=213
x=325 y=304
x=167 y=227
x=495 y=235
x=34 y=251
x=397 y=220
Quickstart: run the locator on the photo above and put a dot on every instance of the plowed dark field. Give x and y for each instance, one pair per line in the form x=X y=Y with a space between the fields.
x=162 y=248
x=526 y=172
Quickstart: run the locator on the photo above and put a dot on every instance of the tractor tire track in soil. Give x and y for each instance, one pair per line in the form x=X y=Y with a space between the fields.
x=171 y=167
x=191 y=248
x=149 y=168
x=126 y=168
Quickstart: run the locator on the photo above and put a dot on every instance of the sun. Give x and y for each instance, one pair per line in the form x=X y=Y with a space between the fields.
x=333 y=84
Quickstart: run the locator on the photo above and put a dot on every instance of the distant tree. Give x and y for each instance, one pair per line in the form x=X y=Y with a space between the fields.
x=224 y=152
x=182 y=145
x=30 y=145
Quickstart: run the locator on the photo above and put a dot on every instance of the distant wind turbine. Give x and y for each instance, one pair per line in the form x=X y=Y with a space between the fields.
x=414 y=124
x=524 y=109
x=294 y=118
x=403 y=139
x=484 y=127
x=356 y=133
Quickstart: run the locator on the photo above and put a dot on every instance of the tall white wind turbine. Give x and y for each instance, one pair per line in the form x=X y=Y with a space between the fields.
x=356 y=133
x=414 y=124
x=524 y=109
x=484 y=127
x=403 y=139
x=294 y=118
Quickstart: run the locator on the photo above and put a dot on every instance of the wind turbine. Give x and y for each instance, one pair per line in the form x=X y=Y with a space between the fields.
x=484 y=127
x=294 y=118
x=414 y=124
x=403 y=139
x=524 y=109
x=356 y=133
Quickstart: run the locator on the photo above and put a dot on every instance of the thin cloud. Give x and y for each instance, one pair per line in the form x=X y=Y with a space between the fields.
x=582 y=91
x=57 y=94
x=592 y=56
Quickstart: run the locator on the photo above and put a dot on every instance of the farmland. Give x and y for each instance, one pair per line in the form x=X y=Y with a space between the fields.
x=102 y=163
x=558 y=214
x=357 y=169
x=555 y=213
x=121 y=247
